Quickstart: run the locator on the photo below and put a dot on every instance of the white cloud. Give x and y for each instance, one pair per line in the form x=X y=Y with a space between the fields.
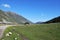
x=6 y=5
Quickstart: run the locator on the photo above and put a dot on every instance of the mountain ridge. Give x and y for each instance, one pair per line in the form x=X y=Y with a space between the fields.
x=13 y=17
x=53 y=20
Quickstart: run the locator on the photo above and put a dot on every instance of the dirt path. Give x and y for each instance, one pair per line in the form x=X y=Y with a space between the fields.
x=2 y=28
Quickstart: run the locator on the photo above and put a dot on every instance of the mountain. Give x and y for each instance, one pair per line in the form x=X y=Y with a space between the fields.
x=12 y=17
x=54 y=20
x=38 y=22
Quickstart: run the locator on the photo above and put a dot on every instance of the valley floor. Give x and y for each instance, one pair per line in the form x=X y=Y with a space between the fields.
x=33 y=32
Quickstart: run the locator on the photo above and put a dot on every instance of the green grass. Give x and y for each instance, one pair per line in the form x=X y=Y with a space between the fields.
x=34 y=32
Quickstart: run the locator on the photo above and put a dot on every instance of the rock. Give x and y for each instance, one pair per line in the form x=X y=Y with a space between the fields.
x=10 y=33
x=7 y=34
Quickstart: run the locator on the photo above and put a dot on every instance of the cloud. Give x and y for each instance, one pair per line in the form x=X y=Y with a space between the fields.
x=6 y=5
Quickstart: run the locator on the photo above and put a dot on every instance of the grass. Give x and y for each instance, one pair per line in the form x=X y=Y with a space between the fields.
x=34 y=32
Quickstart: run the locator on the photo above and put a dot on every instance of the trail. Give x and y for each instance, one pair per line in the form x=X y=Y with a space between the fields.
x=2 y=28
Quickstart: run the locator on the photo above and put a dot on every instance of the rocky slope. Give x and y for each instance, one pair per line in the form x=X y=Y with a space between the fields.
x=12 y=17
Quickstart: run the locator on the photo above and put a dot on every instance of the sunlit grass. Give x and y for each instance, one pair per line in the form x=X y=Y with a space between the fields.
x=34 y=32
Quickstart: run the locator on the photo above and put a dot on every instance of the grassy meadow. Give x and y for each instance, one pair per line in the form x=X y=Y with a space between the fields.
x=33 y=32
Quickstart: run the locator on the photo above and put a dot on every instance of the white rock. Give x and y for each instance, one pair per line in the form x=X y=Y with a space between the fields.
x=7 y=34
x=15 y=38
x=2 y=39
x=18 y=34
x=10 y=32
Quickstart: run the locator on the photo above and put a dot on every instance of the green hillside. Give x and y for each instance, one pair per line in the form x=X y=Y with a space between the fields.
x=12 y=17
x=34 y=32
x=54 y=20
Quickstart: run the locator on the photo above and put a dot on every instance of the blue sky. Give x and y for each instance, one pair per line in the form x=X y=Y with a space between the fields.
x=33 y=10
